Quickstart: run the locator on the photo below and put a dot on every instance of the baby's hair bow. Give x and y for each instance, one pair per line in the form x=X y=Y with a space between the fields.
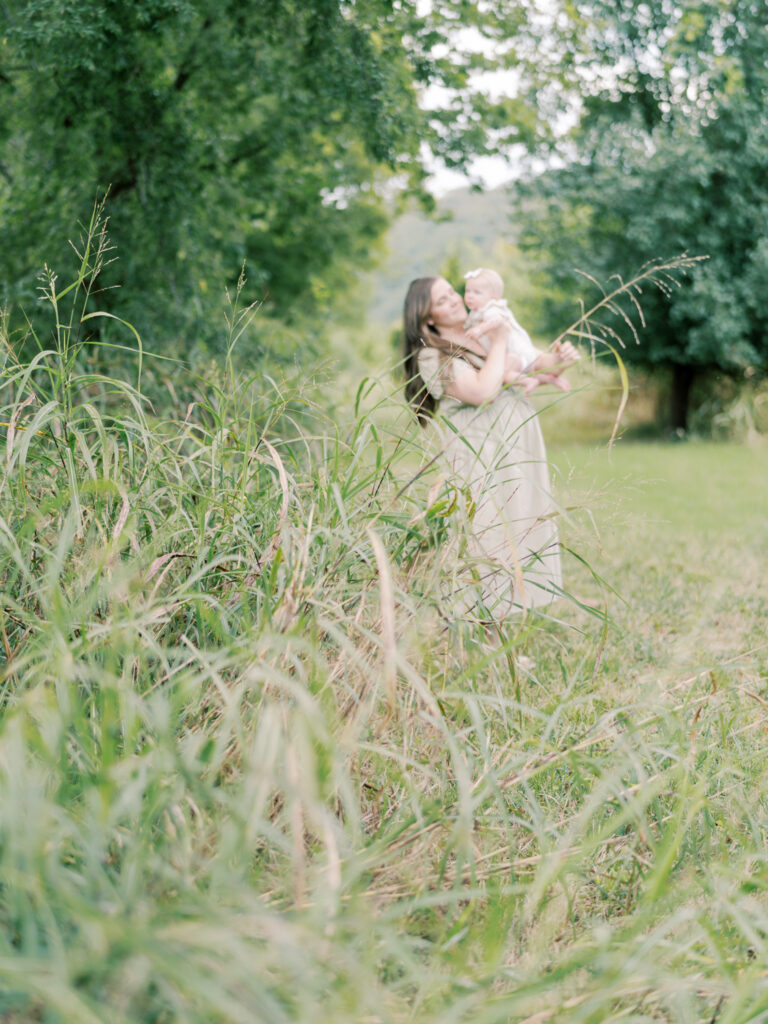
x=473 y=273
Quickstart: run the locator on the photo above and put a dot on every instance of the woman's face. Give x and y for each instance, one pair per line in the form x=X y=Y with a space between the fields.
x=446 y=308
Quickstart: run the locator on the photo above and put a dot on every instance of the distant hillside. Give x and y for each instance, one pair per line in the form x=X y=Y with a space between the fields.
x=466 y=227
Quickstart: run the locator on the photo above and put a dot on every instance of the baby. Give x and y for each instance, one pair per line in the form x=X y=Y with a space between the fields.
x=483 y=298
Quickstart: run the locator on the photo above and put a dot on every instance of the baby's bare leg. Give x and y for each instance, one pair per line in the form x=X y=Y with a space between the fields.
x=513 y=364
x=556 y=380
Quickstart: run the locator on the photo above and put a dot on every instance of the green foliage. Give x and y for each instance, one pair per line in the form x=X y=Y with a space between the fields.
x=671 y=151
x=261 y=132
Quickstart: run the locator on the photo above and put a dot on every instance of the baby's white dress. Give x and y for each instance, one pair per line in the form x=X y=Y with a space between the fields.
x=496 y=458
x=519 y=341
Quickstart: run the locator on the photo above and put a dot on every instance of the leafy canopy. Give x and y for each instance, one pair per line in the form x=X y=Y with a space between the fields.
x=669 y=155
x=261 y=131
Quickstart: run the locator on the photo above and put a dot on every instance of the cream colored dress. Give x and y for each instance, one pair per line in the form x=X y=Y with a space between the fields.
x=496 y=460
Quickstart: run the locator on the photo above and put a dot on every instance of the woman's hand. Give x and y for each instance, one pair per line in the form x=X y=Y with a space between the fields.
x=479 y=330
x=560 y=356
x=566 y=353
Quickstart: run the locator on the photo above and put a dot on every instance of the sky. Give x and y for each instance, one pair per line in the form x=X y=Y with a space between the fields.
x=492 y=171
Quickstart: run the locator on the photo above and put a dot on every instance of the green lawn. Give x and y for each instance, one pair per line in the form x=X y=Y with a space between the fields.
x=679 y=530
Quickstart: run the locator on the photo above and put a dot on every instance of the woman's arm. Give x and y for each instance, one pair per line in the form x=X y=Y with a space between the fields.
x=474 y=387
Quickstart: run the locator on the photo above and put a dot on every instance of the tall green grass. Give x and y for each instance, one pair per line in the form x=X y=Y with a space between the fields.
x=249 y=771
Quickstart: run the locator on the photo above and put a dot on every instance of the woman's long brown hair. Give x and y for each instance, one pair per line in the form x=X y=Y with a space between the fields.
x=417 y=334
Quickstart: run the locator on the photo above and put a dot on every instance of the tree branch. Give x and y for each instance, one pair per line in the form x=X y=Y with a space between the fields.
x=187 y=66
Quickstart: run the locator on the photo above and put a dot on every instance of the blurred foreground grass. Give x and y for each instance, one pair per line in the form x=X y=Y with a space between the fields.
x=250 y=772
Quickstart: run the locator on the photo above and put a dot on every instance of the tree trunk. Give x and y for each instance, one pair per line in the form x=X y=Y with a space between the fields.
x=682 y=379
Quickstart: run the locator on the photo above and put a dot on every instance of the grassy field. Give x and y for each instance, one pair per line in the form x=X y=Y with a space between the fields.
x=250 y=772
x=678 y=528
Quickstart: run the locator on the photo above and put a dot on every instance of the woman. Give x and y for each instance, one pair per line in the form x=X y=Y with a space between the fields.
x=493 y=446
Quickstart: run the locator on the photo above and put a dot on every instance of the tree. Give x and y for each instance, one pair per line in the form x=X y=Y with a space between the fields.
x=669 y=155
x=227 y=131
